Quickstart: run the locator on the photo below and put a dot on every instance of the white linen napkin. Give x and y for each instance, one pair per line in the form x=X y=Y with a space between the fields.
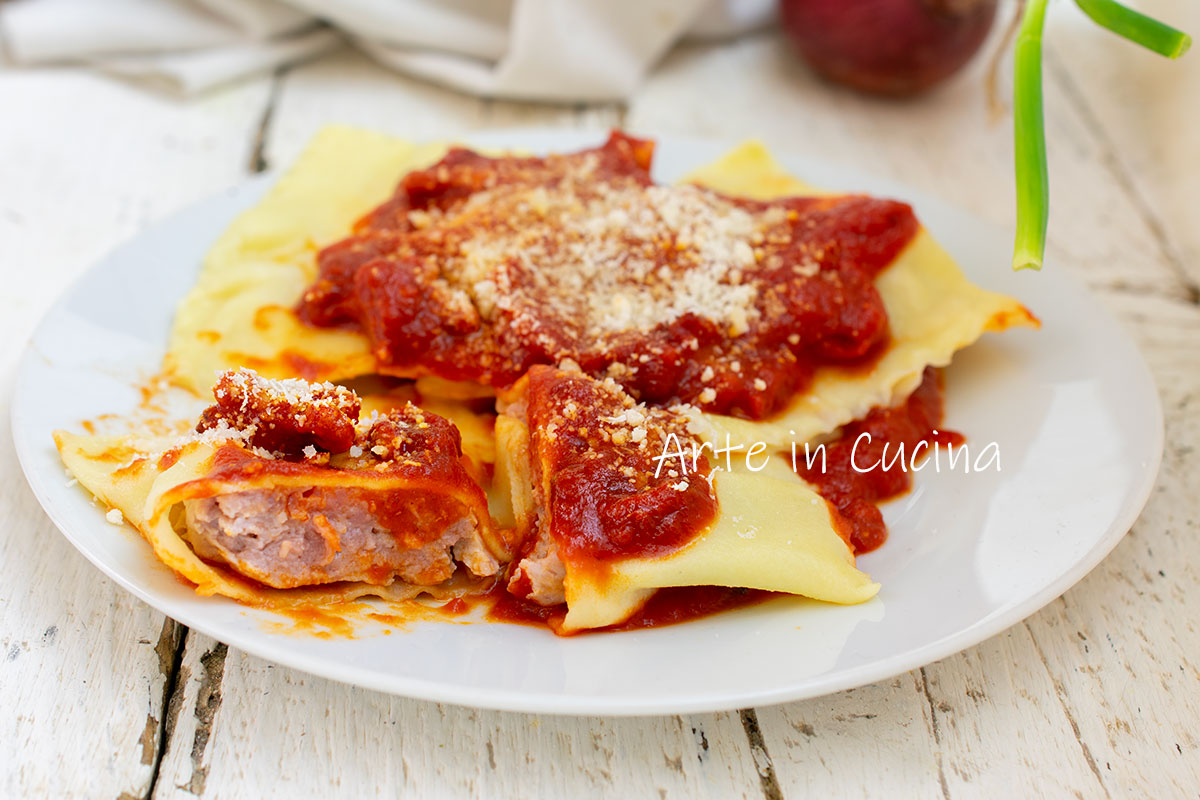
x=557 y=50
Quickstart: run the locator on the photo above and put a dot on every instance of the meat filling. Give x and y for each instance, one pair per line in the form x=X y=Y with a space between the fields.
x=542 y=571
x=288 y=537
x=595 y=488
x=407 y=512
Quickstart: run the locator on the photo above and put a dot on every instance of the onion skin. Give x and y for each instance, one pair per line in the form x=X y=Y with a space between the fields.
x=888 y=47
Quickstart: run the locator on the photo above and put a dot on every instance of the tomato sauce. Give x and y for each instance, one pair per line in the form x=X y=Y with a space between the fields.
x=606 y=500
x=879 y=474
x=670 y=606
x=408 y=279
x=685 y=603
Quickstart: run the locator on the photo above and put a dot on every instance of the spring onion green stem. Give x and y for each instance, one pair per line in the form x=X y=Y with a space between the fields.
x=1029 y=137
x=1029 y=140
x=1137 y=27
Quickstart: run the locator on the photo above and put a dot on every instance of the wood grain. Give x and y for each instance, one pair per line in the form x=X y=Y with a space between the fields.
x=1143 y=107
x=85 y=665
x=315 y=734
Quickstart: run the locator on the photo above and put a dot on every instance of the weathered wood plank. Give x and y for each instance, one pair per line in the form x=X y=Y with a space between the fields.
x=252 y=729
x=85 y=665
x=1002 y=728
x=1143 y=108
x=869 y=742
x=1116 y=648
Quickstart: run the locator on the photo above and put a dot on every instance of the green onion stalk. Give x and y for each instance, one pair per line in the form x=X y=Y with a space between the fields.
x=1029 y=135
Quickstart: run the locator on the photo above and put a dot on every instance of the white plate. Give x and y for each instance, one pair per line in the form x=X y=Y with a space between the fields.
x=1072 y=406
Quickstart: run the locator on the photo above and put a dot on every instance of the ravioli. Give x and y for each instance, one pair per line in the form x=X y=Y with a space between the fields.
x=240 y=312
x=608 y=521
x=480 y=267
x=283 y=498
x=124 y=478
x=768 y=529
x=773 y=532
x=933 y=311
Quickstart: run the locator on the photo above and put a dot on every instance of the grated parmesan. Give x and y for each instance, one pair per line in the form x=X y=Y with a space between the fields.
x=600 y=258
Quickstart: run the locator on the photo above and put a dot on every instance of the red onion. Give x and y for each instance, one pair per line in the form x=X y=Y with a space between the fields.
x=893 y=47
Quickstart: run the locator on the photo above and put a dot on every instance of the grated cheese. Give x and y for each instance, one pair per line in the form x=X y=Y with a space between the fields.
x=599 y=257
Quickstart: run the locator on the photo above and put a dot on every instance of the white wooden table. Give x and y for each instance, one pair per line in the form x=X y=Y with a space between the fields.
x=1095 y=696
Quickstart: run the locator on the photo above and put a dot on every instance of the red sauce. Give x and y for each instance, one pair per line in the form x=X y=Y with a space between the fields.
x=410 y=473
x=322 y=623
x=814 y=302
x=303 y=367
x=419 y=447
x=508 y=607
x=686 y=603
x=415 y=517
x=856 y=493
x=281 y=419
x=605 y=500
x=456 y=606
x=331 y=300
x=669 y=606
